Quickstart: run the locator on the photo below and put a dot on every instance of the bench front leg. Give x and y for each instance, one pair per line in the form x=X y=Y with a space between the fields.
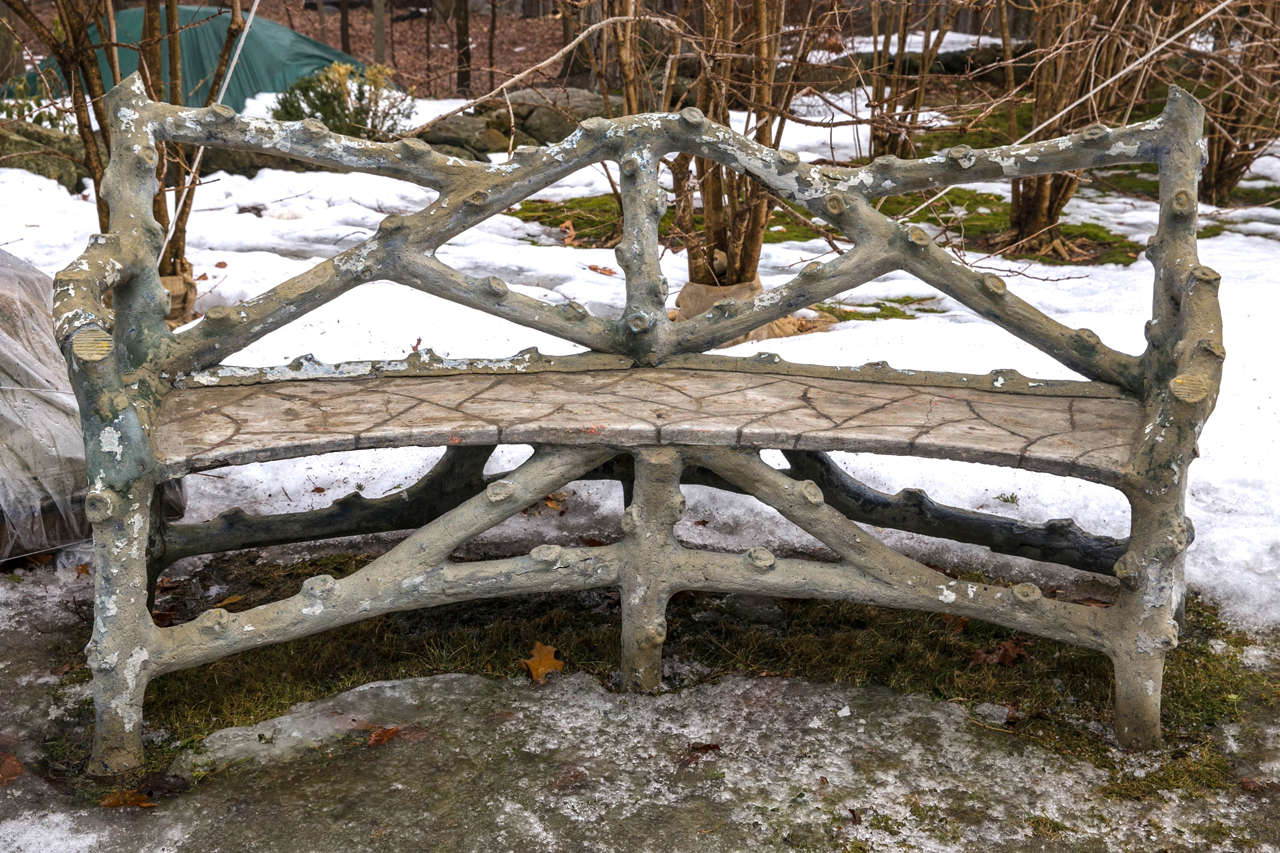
x=648 y=523
x=119 y=651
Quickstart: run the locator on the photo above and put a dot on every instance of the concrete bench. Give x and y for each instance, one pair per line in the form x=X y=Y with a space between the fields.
x=645 y=404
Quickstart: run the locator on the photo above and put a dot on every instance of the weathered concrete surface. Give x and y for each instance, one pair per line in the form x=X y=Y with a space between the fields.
x=492 y=765
x=1075 y=436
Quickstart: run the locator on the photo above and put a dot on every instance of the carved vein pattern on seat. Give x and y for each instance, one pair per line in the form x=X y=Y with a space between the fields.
x=1077 y=436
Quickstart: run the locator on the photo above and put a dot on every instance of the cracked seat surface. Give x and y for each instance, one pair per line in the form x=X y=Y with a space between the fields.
x=1087 y=437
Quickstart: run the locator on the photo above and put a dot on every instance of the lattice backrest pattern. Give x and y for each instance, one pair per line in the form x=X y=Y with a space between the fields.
x=403 y=249
x=124 y=367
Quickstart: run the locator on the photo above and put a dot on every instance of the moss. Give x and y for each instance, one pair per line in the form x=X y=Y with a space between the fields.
x=895 y=308
x=597 y=222
x=1210 y=231
x=1191 y=770
x=969 y=217
x=883 y=823
x=1047 y=828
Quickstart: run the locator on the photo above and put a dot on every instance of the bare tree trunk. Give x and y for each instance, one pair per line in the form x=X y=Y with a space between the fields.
x=493 y=33
x=380 y=31
x=431 y=13
x=113 y=51
x=462 y=20
x=176 y=95
x=344 y=25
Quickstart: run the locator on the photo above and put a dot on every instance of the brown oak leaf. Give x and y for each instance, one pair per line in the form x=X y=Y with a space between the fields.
x=602 y=270
x=120 y=799
x=543 y=661
x=10 y=768
x=1006 y=653
x=382 y=735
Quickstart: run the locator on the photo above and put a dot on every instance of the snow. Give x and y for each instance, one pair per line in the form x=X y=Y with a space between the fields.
x=309 y=216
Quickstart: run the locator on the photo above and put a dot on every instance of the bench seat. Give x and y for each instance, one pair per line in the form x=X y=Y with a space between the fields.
x=1086 y=437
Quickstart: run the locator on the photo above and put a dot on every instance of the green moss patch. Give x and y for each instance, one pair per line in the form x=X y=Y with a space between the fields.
x=896 y=308
x=596 y=222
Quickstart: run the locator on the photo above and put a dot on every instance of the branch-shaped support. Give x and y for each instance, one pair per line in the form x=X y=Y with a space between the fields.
x=414 y=574
x=727 y=320
x=1059 y=541
x=458 y=475
x=646 y=329
x=986 y=295
x=894 y=580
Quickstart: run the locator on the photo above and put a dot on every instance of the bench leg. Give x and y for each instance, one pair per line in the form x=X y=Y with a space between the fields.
x=1138 y=678
x=655 y=506
x=118 y=652
x=644 y=628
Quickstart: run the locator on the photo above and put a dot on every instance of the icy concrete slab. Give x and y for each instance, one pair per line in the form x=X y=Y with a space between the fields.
x=484 y=764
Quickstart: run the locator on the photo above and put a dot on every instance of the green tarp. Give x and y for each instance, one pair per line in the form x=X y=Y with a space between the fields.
x=272 y=58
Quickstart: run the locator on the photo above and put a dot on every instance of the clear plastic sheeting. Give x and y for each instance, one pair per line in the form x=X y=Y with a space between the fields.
x=42 y=473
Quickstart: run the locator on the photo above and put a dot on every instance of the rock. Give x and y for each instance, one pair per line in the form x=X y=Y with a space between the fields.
x=460 y=153
x=43 y=151
x=460 y=131
x=996 y=715
x=547 y=115
x=492 y=140
x=547 y=124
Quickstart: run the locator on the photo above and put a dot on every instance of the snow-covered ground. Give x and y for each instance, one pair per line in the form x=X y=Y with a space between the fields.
x=1235 y=486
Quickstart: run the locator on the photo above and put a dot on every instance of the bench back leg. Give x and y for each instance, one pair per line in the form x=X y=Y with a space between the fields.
x=120 y=650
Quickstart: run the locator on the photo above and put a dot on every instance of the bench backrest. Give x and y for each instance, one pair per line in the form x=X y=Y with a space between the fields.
x=1181 y=366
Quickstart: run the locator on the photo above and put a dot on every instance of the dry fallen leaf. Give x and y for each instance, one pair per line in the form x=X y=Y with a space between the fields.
x=230 y=599
x=82 y=570
x=543 y=661
x=10 y=768
x=382 y=735
x=118 y=799
x=602 y=270
x=222 y=265
x=695 y=753
x=555 y=501
x=955 y=623
x=570 y=236
x=1006 y=653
